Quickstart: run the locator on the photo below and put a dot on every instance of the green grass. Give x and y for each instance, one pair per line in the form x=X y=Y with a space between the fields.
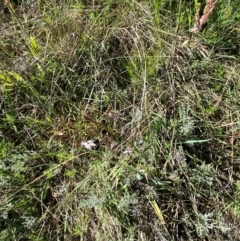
x=159 y=105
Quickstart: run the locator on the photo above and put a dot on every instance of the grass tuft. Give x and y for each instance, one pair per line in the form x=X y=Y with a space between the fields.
x=117 y=122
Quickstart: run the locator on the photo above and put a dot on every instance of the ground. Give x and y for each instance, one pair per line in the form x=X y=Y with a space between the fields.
x=119 y=123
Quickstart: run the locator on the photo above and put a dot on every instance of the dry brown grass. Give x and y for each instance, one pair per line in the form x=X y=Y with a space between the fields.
x=201 y=20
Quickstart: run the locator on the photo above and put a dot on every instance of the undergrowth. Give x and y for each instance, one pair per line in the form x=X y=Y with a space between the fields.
x=117 y=122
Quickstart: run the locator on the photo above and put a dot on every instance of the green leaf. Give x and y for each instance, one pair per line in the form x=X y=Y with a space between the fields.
x=195 y=141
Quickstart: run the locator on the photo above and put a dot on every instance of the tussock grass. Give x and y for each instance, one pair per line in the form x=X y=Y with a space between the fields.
x=117 y=123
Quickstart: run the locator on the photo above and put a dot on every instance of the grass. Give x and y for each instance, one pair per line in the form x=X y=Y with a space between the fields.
x=117 y=123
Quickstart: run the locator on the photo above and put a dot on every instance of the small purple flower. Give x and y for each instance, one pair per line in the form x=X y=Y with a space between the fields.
x=88 y=144
x=128 y=151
